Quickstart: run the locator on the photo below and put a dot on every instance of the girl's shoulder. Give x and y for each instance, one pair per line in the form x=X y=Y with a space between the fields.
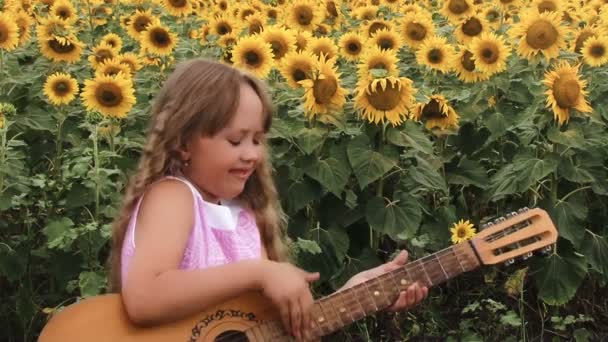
x=167 y=196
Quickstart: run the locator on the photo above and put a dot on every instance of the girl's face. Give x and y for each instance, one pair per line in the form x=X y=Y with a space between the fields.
x=220 y=165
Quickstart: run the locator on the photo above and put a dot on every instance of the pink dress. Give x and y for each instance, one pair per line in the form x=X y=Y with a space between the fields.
x=221 y=234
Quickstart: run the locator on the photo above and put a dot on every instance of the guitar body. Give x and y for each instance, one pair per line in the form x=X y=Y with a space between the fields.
x=103 y=318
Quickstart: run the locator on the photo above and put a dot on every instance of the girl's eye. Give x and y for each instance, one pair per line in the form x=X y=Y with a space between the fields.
x=234 y=143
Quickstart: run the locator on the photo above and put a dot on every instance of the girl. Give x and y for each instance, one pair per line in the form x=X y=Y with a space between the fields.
x=201 y=221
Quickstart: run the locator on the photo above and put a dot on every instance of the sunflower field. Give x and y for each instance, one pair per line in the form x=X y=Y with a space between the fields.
x=398 y=125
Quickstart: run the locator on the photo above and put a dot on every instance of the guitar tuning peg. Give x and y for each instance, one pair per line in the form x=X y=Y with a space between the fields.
x=509 y=262
x=526 y=256
x=483 y=226
x=523 y=210
x=546 y=250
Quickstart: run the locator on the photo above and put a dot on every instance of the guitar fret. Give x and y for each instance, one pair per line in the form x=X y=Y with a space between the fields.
x=320 y=320
x=333 y=309
x=344 y=309
x=441 y=266
x=370 y=296
x=363 y=312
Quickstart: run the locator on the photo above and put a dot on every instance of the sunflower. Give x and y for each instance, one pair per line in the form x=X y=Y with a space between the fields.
x=470 y=27
x=112 y=96
x=113 y=40
x=455 y=10
x=387 y=98
x=101 y=53
x=365 y=12
x=322 y=46
x=332 y=10
x=100 y=15
x=539 y=33
x=158 y=39
x=222 y=25
x=24 y=22
x=464 y=65
x=437 y=112
x=139 y=21
x=255 y=23
x=436 y=53
x=227 y=40
x=9 y=33
x=374 y=58
x=281 y=40
x=131 y=60
x=222 y=5
x=244 y=11
x=595 y=51
x=64 y=10
x=351 y=45
x=490 y=53
x=253 y=54
x=462 y=231
x=60 y=88
x=566 y=91
x=61 y=49
x=51 y=27
x=302 y=38
x=506 y=5
x=581 y=36
x=113 y=67
x=376 y=25
x=416 y=29
x=178 y=8
x=492 y=15
x=303 y=15
x=323 y=94
x=548 y=5
x=271 y=12
x=297 y=66
x=387 y=39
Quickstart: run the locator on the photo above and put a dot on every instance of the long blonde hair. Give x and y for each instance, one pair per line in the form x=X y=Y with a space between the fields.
x=200 y=97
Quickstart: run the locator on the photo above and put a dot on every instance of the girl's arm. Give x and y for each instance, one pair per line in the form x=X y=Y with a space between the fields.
x=156 y=291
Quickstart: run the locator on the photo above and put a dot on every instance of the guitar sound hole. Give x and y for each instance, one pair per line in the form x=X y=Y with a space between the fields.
x=232 y=336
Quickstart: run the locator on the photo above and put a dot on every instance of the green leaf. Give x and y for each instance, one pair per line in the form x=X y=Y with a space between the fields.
x=309 y=139
x=410 y=135
x=331 y=172
x=427 y=176
x=497 y=124
x=91 y=283
x=468 y=172
x=510 y=318
x=338 y=240
x=572 y=137
x=12 y=265
x=595 y=249
x=308 y=246
x=574 y=173
x=368 y=165
x=558 y=276
x=300 y=193
x=56 y=231
x=569 y=217
x=399 y=218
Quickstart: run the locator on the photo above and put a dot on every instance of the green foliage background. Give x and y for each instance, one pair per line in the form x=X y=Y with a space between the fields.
x=355 y=194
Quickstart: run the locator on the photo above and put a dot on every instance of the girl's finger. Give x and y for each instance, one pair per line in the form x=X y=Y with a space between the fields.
x=296 y=318
x=285 y=316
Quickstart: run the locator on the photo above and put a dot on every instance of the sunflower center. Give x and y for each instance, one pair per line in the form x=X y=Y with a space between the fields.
x=253 y=58
x=598 y=50
x=377 y=65
x=109 y=95
x=247 y=13
x=223 y=29
x=160 y=37
x=472 y=27
x=353 y=48
x=546 y=6
x=63 y=13
x=61 y=48
x=278 y=49
x=223 y=5
x=178 y=3
x=432 y=110
x=112 y=43
x=112 y=70
x=566 y=91
x=141 y=23
x=541 y=35
x=304 y=15
x=368 y=15
x=255 y=27
x=386 y=43
x=272 y=13
x=299 y=75
x=467 y=61
x=331 y=9
x=578 y=46
x=489 y=53
x=416 y=31
x=375 y=27
x=435 y=56
x=384 y=100
x=461 y=232
x=458 y=6
x=492 y=15
x=506 y=2
x=61 y=88
x=3 y=33
x=324 y=90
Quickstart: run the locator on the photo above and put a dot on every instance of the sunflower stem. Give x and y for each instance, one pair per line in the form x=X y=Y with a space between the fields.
x=3 y=148
x=59 y=143
x=1 y=62
x=96 y=169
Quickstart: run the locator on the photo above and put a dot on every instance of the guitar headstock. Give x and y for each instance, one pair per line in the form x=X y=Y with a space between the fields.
x=517 y=234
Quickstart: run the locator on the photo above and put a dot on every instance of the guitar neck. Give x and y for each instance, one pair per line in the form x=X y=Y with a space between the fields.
x=342 y=308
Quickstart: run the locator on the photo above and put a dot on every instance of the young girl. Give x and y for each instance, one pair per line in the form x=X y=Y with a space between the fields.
x=201 y=221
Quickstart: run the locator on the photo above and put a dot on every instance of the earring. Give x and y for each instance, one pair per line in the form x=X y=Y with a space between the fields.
x=186 y=163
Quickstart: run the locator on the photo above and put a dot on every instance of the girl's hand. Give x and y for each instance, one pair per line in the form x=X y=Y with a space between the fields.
x=288 y=288
x=407 y=299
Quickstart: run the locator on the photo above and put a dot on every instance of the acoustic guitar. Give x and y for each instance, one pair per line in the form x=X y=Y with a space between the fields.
x=251 y=317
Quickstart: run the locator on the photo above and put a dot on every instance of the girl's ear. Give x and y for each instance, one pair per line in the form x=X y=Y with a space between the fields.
x=184 y=152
